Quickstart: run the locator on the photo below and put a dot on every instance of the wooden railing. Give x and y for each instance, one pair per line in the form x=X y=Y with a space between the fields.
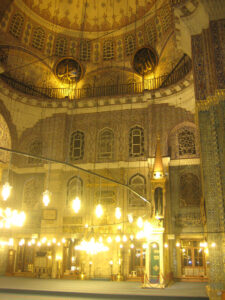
x=101 y=91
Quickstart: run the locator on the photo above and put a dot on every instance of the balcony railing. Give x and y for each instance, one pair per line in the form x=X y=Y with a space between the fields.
x=109 y=90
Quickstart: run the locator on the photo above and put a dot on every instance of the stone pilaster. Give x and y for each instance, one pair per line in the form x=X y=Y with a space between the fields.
x=211 y=118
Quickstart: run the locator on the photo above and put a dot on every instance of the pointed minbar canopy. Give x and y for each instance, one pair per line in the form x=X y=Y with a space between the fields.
x=158 y=164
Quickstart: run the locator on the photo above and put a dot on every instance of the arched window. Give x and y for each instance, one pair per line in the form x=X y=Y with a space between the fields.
x=16 y=25
x=77 y=145
x=74 y=189
x=61 y=46
x=158 y=197
x=38 y=38
x=186 y=141
x=105 y=144
x=150 y=33
x=85 y=50
x=35 y=149
x=138 y=184
x=190 y=192
x=136 y=142
x=108 y=50
x=31 y=193
x=5 y=140
x=129 y=44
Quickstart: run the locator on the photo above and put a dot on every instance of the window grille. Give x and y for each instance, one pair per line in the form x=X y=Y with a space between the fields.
x=108 y=50
x=138 y=184
x=136 y=142
x=35 y=149
x=106 y=197
x=16 y=25
x=77 y=145
x=85 y=50
x=61 y=46
x=74 y=189
x=190 y=193
x=130 y=44
x=38 y=38
x=105 y=146
x=186 y=141
x=31 y=193
x=151 y=34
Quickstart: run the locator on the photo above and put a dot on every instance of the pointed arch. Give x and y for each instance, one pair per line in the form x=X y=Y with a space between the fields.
x=138 y=183
x=105 y=143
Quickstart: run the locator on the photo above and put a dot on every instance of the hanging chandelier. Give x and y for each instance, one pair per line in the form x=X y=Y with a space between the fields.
x=118 y=213
x=92 y=247
x=6 y=190
x=99 y=211
x=46 y=197
x=9 y=218
x=76 y=204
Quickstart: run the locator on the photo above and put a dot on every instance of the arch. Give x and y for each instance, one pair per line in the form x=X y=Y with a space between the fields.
x=38 y=38
x=74 y=189
x=5 y=140
x=16 y=25
x=183 y=141
x=108 y=50
x=61 y=46
x=158 y=198
x=136 y=141
x=138 y=183
x=31 y=193
x=85 y=50
x=130 y=44
x=190 y=190
x=77 y=145
x=105 y=143
x=35 y=148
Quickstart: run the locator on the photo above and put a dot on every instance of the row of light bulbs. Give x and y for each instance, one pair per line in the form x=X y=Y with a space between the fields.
x=76 y=203
x=118 y=239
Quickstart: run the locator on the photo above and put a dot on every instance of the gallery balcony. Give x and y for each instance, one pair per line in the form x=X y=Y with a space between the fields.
x=155 y=84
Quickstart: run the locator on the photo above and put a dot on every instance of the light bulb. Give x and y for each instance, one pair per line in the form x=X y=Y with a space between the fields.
x=117 y=238
x=109 y=239
x=130 y=218
x=124 y=238
x=76 y=204
x=118 y=213
x=99 y=211
x=6 y=190
x=140 y=222
x=46 y=197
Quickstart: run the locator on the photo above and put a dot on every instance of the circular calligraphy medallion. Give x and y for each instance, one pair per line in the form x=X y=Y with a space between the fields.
x=145 y=61
x=68 y=70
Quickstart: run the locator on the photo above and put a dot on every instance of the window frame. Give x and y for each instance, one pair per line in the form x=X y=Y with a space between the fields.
x=38 y=38
x=16 y=25
x=105 y=155
x=108 y=50
x=73 y=147
x=184 y=150
x=132 y=197
x=79 y=189
x=133 y=144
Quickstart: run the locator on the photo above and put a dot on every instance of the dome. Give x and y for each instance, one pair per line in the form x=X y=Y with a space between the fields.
x=102 y=41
